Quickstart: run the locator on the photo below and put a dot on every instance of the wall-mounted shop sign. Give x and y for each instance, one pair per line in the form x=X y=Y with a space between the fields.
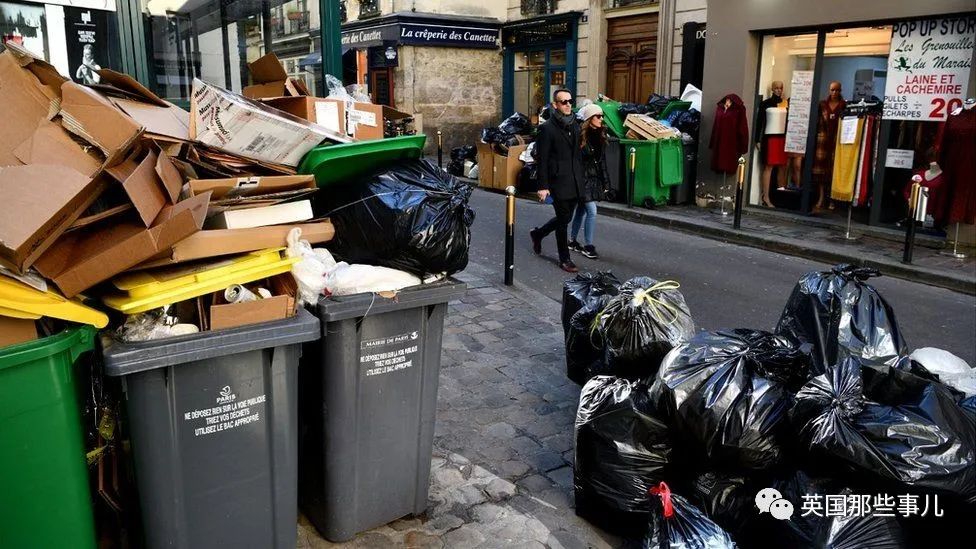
x=422 y=34
x=538 y=32
x=928 y=68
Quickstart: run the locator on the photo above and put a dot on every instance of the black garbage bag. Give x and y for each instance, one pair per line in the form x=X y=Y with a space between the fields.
x=677 y=524
x=728 y=393
x=584 y=296
x=503 y=146
x=528 y=178
x=689 y=122
x=631 y=108
x=657 y=103
x=727 y=498
x=410 y=216
x=456 y=167
x=622 y=450
x=518 y=124
x=494 y=136
x=642 y=324
x=878 y=422
x=467 y=152
x=842 y=316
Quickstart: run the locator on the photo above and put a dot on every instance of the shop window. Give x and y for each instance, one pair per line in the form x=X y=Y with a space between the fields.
x=531 y=89
x=215 y=40
x=369 y=8
x=610 y=4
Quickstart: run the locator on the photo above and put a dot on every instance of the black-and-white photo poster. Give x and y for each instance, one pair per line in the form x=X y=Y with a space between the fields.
x=86 y=32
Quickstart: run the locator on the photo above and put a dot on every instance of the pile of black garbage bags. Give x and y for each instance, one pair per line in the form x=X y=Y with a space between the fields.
x=823 y=433
x=514 y=130
x=458 y=156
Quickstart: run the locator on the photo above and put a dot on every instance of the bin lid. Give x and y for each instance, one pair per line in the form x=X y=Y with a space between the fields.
x=22 y=301
x=75 y=341
x=331 y=164
x=129 y=358
x=148 y=290
x=331 y=309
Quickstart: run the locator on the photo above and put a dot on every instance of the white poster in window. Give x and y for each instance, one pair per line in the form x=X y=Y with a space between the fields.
x=798 y=121
x=900 y=158
x=928 y=68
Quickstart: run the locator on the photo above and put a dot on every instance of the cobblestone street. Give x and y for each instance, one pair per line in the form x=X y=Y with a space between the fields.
x=502 y=471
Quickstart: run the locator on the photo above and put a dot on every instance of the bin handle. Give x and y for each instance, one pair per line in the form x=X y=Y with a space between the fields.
x=86 y=342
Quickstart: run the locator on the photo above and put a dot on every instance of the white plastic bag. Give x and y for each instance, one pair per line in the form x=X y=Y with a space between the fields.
x=526 y=155
x=311 y=269
x=694 y=95
x=348 y=279
x=952 y=370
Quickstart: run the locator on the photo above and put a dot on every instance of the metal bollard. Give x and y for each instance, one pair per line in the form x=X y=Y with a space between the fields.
x=917 y=204
x=440 y=150
x=739 y=189
x=631 y=175
x=509 y=236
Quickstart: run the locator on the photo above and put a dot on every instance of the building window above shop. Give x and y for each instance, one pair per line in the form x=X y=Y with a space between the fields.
x=538 y=7
x=611 y=4
x=343 y=11
x=369 y=8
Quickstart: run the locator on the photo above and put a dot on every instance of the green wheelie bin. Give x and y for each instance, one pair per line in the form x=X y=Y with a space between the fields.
x=647 y=189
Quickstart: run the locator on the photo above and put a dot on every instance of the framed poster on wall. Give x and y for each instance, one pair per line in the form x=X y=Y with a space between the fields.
x=86 y=34
x=24 y=24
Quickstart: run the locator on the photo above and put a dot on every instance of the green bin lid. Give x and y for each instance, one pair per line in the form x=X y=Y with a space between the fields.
x=75 y=341
x=331 y=164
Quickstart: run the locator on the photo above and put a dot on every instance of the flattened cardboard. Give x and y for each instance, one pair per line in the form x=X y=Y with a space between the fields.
x=16 y=330
x=171 y=122
x=131 y=86
x=83 y=258
x=231 y=315
x=486 y=166
x=271 y=80
x=169 y=175
x=250 y=186
x=40 y=202
x=215 y=243
x=26 y=102
x=91 y=116
x=51 y=144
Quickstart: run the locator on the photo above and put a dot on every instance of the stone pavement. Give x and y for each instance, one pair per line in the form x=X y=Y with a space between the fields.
x=502 y=472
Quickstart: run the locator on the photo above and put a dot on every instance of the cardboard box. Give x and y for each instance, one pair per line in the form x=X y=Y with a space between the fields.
x=91 y=116
x=250 y=186
x=361 y=121
x=16 y=330
x=394 y=115
x=271 y=80
x=238 y=125
x=83 y=258
x=158 y=117
x=151 y=182
x=214 y=243
x=50 y=143
x=281 y=305
x=486 y=165
x=507 y=168
x=39 y=203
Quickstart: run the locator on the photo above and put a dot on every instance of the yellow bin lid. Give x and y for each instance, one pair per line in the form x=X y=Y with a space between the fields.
x=19 y=300
x=146 y=290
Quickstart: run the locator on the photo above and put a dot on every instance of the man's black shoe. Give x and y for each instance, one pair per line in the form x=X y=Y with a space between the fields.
x=569 y=267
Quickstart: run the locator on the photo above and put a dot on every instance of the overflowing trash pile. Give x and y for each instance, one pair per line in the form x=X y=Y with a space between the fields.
x=826 y=432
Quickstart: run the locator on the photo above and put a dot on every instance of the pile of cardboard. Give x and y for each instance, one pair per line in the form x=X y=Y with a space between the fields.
x=103 y=180
x=496 y=171
x=642 y=126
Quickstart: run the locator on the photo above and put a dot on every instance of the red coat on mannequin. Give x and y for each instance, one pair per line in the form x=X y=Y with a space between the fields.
x=730 y=134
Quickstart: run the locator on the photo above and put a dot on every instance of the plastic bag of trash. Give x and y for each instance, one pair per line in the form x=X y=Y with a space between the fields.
x=583 y=297
x=467 y=152
x=151 y=325
x=677 y=524
x=842 y=316
x=493 y=136
x=518 y=124
x=528 y=155
x=410 y=216
x=728 y=392
x=346 y=279
x=336 y=89
x=728 y=499
x=641 y=324
x=688 y=122
x=888 y=424
x=657 y=103
x=310 y=271
x=952 y=370
x=622 y=450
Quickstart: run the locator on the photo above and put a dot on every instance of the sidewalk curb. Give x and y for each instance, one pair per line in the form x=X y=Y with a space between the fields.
x=548 y=308
x=788 y=246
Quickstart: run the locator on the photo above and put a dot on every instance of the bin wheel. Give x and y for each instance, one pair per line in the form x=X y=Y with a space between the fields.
x=649 y=204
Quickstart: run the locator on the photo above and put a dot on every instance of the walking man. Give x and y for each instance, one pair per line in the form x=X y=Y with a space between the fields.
x=560 y=174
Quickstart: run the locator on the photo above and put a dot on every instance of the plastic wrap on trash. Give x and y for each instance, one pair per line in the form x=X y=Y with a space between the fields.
x=677 y=524
x=952 y=370
x=842 y=316
x=346 y=279
x=728 y=393
x=517 y=124
x=885 y=423
x=311 y=269
x=584 y=296
x=528 y=155
x=622 y=450
x=642 y=324
x=410 y=216
x=359 y=93
x=336 y=89
x=151 y=325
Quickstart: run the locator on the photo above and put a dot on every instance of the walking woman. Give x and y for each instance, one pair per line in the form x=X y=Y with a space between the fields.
x=593 y=144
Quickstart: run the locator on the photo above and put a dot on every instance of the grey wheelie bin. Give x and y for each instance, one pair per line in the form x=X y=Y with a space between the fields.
x=368 y=397
x=213 y=422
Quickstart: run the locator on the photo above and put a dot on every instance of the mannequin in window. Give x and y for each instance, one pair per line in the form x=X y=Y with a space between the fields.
x=771 y=139
x=933 y=178
x=828 y=122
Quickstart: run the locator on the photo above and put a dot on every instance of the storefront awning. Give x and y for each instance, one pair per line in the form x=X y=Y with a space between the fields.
x=312 y=59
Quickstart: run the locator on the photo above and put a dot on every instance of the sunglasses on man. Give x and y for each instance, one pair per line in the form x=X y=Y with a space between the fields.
x=564 y=102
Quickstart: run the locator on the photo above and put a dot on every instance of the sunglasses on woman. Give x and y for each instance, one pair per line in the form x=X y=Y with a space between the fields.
x=600 y=116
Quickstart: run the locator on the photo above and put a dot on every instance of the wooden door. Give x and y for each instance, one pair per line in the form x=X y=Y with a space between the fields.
x=632 y=58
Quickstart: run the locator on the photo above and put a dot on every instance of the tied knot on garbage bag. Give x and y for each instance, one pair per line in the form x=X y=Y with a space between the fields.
x=584 y=296
x=663 y=491
x=677 y=524
x=641 y=324
x=728 y=393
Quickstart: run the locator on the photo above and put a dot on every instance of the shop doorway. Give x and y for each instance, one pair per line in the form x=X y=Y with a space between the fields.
x=632 y=57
